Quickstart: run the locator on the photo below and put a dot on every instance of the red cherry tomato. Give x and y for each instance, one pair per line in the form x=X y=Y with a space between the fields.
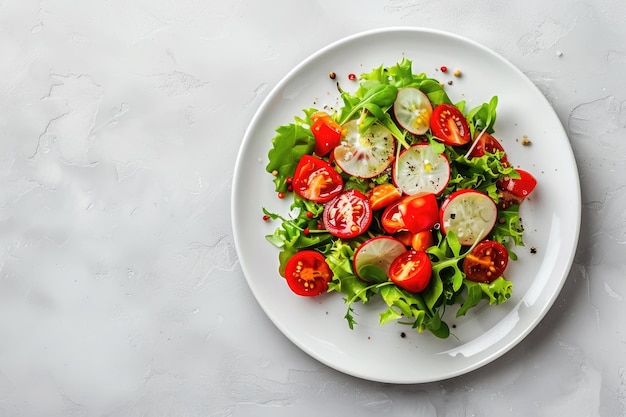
x=307 y=273
x=487 y=144
x=383 y=195
x=411 y=271
x=414 y=213
x=422 y=212
x=316 y=180
x=486 y=262
x=449 y=125
x=347 y=215
x=518 y=188
x=326 y=131
x=392 y=220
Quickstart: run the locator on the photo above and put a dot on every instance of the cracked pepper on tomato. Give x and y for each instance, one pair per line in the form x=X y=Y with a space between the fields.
x=399 y=194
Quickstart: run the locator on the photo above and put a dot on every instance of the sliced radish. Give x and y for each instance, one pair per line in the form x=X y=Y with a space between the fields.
x=379 y=251
x=367 y=154
x=420 y=169
x=470 y=214
x=413 y=110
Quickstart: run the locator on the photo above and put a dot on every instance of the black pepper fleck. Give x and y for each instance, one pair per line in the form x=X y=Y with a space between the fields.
x=533 y=250
x=403 y=335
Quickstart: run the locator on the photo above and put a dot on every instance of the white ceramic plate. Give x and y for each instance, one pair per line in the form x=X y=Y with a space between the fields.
x=551 y=217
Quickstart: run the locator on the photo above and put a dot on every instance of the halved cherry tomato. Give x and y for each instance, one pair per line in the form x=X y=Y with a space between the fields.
x=383 y=195
x=486 y=262
x=487 y=144
x=414 y=213
x=449 y=125
x=307 y=273
x=327 y=133
x=316 y=180
x=347 y=215
x=411 y=271
x=518 y=188
x=392 y=220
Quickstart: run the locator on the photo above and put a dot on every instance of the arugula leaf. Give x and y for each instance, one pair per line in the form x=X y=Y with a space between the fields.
x=483 y=117
x=447 y=276
x=437 y=326
x=374 y=99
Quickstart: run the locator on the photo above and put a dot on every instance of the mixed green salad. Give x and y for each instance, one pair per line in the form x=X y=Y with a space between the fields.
x=401 y=194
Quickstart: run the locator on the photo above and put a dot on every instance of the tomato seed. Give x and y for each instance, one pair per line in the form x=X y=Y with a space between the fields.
x=457 y=72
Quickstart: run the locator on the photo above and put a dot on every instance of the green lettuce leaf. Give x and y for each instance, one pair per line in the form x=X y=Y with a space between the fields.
x=290 y=143
x=496 y=292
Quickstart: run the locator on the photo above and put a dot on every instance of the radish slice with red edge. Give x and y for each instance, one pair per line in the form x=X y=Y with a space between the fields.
x=379 y=251
x=420 y=169
x=469 y=214
x=365 y=154
x=413 y=110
